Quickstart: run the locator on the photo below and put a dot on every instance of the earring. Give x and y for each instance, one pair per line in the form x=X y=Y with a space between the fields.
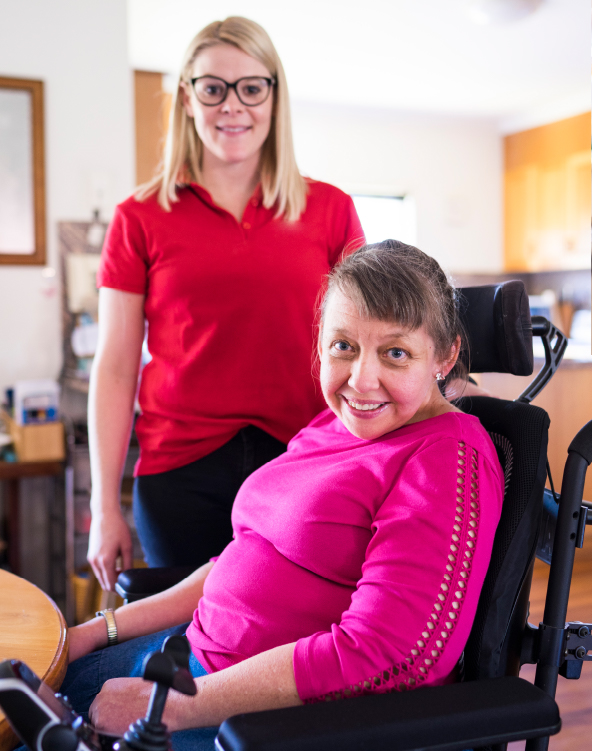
x=439 y=377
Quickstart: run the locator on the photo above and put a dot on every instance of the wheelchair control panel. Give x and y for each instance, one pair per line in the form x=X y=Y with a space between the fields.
x=44 y=721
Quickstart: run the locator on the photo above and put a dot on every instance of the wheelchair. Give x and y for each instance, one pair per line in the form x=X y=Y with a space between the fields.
x=490 y=706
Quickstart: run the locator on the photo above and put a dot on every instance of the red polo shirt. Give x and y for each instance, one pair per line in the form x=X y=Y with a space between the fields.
x=230 y=310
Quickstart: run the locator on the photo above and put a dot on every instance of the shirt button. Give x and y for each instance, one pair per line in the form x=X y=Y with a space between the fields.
x=246 y=225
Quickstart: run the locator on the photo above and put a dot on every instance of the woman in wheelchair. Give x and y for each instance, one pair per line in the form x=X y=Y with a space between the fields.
x=358 y=556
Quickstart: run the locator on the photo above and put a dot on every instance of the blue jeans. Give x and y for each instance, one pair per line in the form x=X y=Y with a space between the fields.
x=85 y=677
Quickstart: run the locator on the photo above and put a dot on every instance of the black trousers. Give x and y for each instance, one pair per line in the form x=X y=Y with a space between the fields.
x=183 y=516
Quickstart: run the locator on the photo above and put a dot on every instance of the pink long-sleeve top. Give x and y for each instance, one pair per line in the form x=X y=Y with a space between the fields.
x=370 y=555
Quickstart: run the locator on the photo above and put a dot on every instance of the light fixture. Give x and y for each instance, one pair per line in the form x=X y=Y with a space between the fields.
x=501 y=11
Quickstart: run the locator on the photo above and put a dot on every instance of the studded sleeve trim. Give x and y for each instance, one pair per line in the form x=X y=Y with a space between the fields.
x=414 y=605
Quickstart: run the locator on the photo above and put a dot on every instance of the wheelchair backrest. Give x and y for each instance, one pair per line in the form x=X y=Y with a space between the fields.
x=520 y=434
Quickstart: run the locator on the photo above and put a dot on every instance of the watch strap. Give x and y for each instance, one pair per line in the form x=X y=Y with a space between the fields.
x=109 y=616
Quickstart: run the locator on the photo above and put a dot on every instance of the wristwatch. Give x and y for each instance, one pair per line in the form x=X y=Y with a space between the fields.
x=108 y=615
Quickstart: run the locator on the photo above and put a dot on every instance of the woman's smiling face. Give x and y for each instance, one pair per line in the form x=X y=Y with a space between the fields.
x=377 y=376
x=230 y=131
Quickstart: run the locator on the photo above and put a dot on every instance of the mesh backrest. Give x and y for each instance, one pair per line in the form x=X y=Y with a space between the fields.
x=505 y=454
x=525 y=428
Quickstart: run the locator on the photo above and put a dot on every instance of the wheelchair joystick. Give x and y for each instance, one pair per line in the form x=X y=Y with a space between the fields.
x=168 y=668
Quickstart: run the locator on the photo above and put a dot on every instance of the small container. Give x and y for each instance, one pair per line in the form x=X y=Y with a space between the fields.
x=36 y=402
x=37 y=443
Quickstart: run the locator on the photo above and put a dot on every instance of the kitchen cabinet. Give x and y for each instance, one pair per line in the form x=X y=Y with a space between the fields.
x=547 y=197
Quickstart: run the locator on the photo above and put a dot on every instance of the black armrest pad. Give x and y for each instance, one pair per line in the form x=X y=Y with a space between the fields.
x=458 y=716
x=142 y=582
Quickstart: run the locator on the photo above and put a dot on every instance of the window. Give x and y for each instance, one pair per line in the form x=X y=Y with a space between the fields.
x=387 y=217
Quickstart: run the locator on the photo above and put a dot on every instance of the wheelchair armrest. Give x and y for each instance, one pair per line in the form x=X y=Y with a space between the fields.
x=449 y=718
x=137 y=583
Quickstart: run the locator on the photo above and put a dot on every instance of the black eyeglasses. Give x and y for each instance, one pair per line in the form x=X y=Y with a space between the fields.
x=251 y=91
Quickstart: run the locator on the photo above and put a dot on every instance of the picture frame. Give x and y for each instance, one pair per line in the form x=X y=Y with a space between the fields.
x=22 y=172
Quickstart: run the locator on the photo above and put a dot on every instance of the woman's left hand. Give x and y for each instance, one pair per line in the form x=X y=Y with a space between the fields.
x=120 y=702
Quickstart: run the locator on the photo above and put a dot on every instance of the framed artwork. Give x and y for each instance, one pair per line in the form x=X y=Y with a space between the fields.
x=22 y=172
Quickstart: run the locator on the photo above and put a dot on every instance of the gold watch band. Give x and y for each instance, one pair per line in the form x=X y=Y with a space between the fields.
x=108 y=615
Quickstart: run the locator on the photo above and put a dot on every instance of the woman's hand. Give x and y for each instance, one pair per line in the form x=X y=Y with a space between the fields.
x=120 y=702
x=86 y=638
x=109 y=538
x=265 y=681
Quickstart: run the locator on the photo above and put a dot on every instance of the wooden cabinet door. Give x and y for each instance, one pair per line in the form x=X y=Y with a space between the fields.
x=521 y=218
x=547 y=199
x=578 y=203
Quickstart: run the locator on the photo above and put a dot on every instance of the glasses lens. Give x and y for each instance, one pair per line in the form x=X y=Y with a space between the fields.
x=210 y=90
x=252 y=91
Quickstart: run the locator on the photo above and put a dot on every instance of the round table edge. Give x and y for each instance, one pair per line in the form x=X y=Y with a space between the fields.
x=54 y=676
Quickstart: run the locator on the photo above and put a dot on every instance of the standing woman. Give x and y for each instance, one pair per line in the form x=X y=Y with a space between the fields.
x=222 y=256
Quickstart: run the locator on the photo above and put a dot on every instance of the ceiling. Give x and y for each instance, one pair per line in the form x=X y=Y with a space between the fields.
x=411 y=55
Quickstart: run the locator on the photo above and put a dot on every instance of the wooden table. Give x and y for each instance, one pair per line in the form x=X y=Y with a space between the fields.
x=33 y=630
x=12 y=473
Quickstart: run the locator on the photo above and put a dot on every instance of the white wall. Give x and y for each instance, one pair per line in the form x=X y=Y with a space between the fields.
x=79 y=49
x=452 y=166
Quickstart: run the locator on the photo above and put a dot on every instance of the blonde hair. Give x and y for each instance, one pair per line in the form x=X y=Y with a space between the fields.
x=281 y=183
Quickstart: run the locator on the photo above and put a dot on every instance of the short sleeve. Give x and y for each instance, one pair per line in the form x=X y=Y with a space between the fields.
x=349 y=234
x=414 y=606
x=124 y=259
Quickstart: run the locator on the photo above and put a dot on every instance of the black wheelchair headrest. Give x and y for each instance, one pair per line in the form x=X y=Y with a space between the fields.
x=497 y=321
